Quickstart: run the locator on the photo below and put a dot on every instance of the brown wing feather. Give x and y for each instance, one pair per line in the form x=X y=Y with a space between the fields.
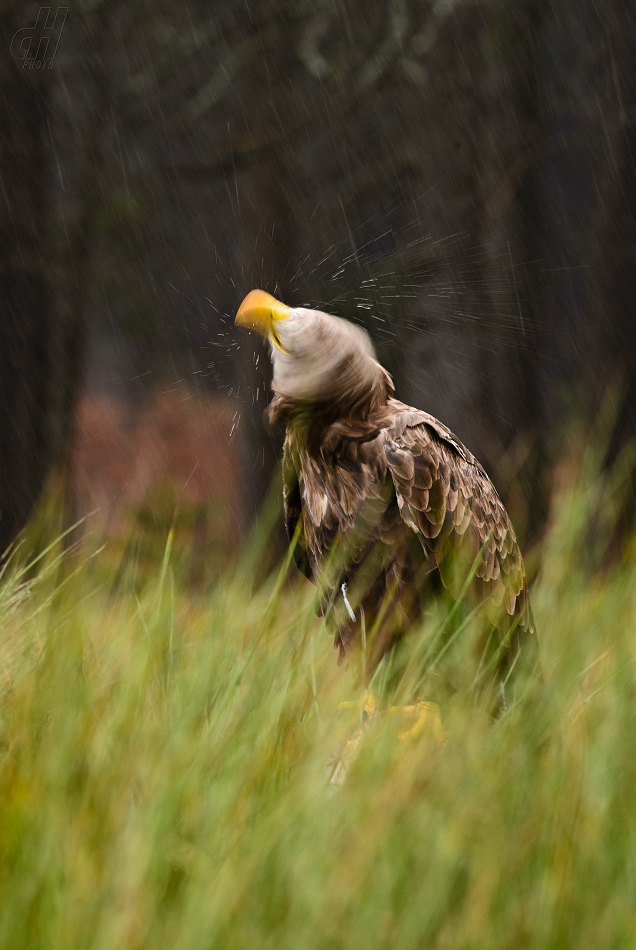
x=445 y=496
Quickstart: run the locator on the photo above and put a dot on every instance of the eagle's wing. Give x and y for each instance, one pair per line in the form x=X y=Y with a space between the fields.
x=446 y=498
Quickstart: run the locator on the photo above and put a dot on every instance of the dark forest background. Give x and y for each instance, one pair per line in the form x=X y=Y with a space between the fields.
x=459 y=177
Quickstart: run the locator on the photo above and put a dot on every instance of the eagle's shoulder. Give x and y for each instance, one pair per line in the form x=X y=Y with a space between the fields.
x=406 y=417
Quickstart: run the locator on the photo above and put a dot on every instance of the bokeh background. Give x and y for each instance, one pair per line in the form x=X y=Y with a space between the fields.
x=458 y=177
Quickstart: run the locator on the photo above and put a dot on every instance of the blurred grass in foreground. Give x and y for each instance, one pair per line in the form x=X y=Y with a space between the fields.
x=164 y=782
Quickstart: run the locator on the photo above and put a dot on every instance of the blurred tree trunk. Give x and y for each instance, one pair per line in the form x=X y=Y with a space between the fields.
x=588 y=175
x=73 y=297
x=28 y=378
x=570 y=167
x=471 y=339
x=614 y=252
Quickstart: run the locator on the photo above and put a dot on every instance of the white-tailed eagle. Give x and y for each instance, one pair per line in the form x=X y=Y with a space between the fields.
x=387 y=485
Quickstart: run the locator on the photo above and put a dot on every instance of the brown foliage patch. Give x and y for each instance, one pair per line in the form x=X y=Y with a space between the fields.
x=173 y=445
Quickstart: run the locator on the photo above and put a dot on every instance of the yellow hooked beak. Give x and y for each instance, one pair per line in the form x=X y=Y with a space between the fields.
x=260 y=311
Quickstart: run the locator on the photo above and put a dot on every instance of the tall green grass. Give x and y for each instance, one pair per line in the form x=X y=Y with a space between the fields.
x=165 y=767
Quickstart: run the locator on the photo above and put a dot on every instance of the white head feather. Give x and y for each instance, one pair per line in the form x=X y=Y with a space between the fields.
x=324 y=357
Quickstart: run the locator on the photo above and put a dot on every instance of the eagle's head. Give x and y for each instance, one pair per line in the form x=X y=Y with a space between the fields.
x=317 y=358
